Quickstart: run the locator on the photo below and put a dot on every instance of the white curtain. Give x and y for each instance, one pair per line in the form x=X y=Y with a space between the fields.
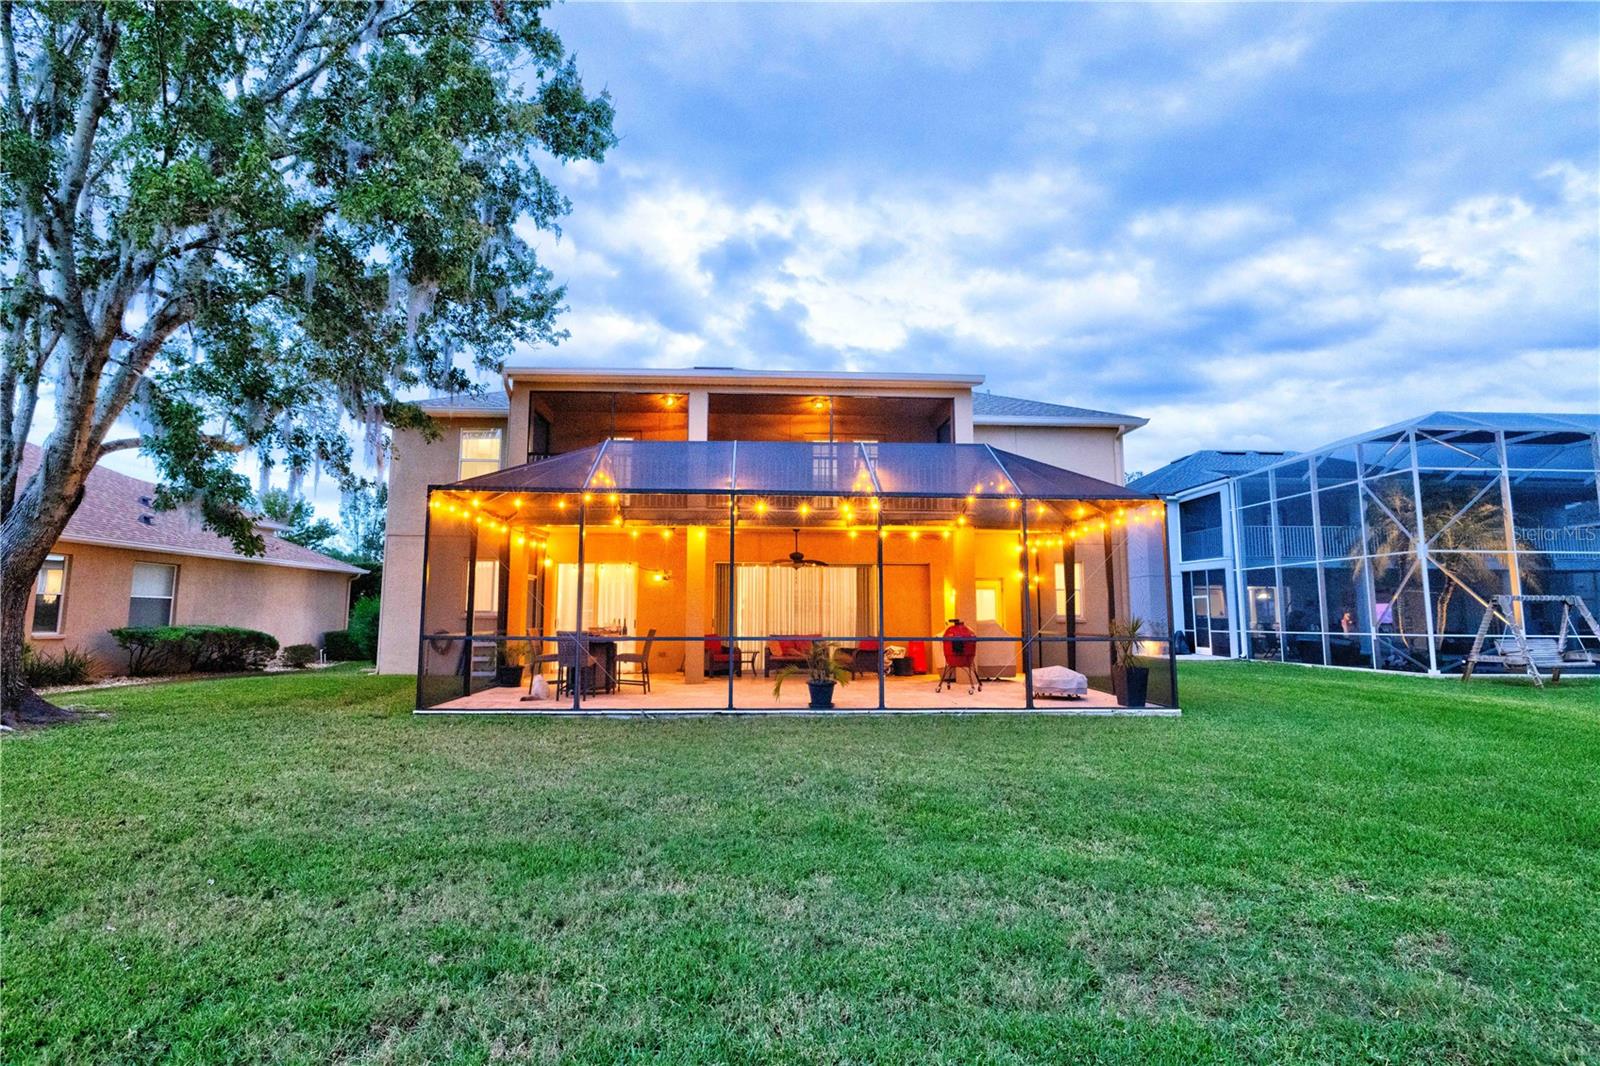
x=610 y=596
x=789 y=601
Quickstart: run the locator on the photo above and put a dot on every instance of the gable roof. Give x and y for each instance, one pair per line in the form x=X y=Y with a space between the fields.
x=1201 y=467
x=466 y=404
x=116 y=512
x=989 y=408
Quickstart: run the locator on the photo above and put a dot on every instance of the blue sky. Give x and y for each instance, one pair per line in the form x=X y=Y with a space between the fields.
x=1256 y=225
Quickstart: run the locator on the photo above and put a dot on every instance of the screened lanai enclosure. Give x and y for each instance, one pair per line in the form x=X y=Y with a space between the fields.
x=1386 y=551
x=662 y=576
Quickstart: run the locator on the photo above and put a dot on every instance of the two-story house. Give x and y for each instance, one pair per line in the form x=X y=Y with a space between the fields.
x=571 y=532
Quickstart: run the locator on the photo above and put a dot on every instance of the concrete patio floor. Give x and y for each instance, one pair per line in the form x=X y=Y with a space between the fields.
x=753 y=695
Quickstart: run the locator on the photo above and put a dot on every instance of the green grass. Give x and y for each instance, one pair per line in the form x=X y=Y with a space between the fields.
x=1309 y=865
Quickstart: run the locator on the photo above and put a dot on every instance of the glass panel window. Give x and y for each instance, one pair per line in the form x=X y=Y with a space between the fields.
x=1291 y=479
x=610 y=596
x=1337 y=467
x=150 y=601
x=485 y=586
x=1385 y=455
x=1255 y=531
x=1461 y=510
x=1461 y=583
x=1391 y=514
x=1397 y=593
x=1254 y=488
x=480 y=452
x=1296 y=534
x=988 y=601
x=1554 y=574
x=50 y=595
x=1302 y=607
x=1261 y=614
x=1550 y=451
x=1341 y=521
x=1467 y=449
x=1062 y=592
x=1555 y=511
x=1200 y=525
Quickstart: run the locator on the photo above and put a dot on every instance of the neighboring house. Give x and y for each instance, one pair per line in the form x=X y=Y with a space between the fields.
x=1384 y=550
x=1199 y=493
x=120 y=562
x=541 y=413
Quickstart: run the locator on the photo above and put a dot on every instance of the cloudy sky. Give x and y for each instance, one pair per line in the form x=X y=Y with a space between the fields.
x=1255 y=225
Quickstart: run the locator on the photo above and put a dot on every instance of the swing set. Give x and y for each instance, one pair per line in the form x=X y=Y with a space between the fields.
x=1514 y=650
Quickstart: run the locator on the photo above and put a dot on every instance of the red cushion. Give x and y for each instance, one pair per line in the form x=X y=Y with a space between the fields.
x=795 y=649
x=867 y=645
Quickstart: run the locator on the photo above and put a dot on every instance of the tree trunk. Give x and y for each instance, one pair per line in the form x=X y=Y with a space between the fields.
x=26 y=537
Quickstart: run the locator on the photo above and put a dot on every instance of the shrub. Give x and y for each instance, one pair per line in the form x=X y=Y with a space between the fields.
x=299 y=655
x=205 y=649
x=41 y=670
x=364 y=626
x=339 y=646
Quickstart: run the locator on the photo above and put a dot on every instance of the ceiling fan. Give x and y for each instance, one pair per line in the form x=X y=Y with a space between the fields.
x=797 y=558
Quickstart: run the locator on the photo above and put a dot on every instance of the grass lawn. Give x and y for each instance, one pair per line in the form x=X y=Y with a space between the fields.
x=1309 y=865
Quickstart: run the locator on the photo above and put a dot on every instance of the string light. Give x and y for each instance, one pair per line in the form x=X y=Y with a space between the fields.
x=666 y=534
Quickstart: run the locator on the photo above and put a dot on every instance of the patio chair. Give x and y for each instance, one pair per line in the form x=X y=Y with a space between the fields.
x=537 y=663
x=641 y=659
x=720 y=659
x=577 y=664
x=861 y=659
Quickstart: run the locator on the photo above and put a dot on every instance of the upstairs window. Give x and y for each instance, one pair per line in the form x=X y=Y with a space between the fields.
x=50 y=596
x=480 y=453
x=150 y=603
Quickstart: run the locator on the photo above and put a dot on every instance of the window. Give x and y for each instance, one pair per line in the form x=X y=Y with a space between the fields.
x=486 y=586
x=49 y=595
x=987 y=607
x=151 y=601
x=1076 y=591
x=480 y=452
x=610 y=596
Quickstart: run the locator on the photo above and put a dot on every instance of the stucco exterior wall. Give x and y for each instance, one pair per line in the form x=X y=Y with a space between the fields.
x=416 y=463
x=1087 y=450
x=296 y=606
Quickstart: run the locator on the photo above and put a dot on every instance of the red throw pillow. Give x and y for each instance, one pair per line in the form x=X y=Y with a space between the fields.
x=795 y=649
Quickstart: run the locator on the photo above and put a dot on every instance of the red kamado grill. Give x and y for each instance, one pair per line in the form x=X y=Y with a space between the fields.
x=960 y=649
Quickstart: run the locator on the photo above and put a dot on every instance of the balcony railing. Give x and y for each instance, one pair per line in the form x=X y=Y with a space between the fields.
x=1201 y=544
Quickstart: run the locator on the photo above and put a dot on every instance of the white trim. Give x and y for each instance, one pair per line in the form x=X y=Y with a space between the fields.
x=1069 y=421
x=736 y=376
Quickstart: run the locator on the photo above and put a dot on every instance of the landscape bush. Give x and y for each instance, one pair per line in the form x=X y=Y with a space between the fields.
x=299 y=656
x=340 y=647
x=364 y=626
x=42 y=670
x=203 y=649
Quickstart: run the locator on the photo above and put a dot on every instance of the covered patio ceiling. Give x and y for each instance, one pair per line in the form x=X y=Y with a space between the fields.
x=736 y=468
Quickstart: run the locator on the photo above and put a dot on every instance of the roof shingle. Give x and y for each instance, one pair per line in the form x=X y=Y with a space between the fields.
x=1201 y=467
x=116 y=511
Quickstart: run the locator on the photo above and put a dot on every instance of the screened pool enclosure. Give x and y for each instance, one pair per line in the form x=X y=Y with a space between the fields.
x=1387 y=550
x=641 y=576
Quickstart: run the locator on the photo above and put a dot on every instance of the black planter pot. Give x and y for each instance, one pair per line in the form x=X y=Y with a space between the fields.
x=821 y=694
x=1131 y=684
x=508 y=676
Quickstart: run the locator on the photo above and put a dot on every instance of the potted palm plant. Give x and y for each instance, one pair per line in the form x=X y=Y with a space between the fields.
x=822 y=671
x=1130 y=675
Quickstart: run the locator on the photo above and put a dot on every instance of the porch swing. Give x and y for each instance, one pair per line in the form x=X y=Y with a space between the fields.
x=1515 y=650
